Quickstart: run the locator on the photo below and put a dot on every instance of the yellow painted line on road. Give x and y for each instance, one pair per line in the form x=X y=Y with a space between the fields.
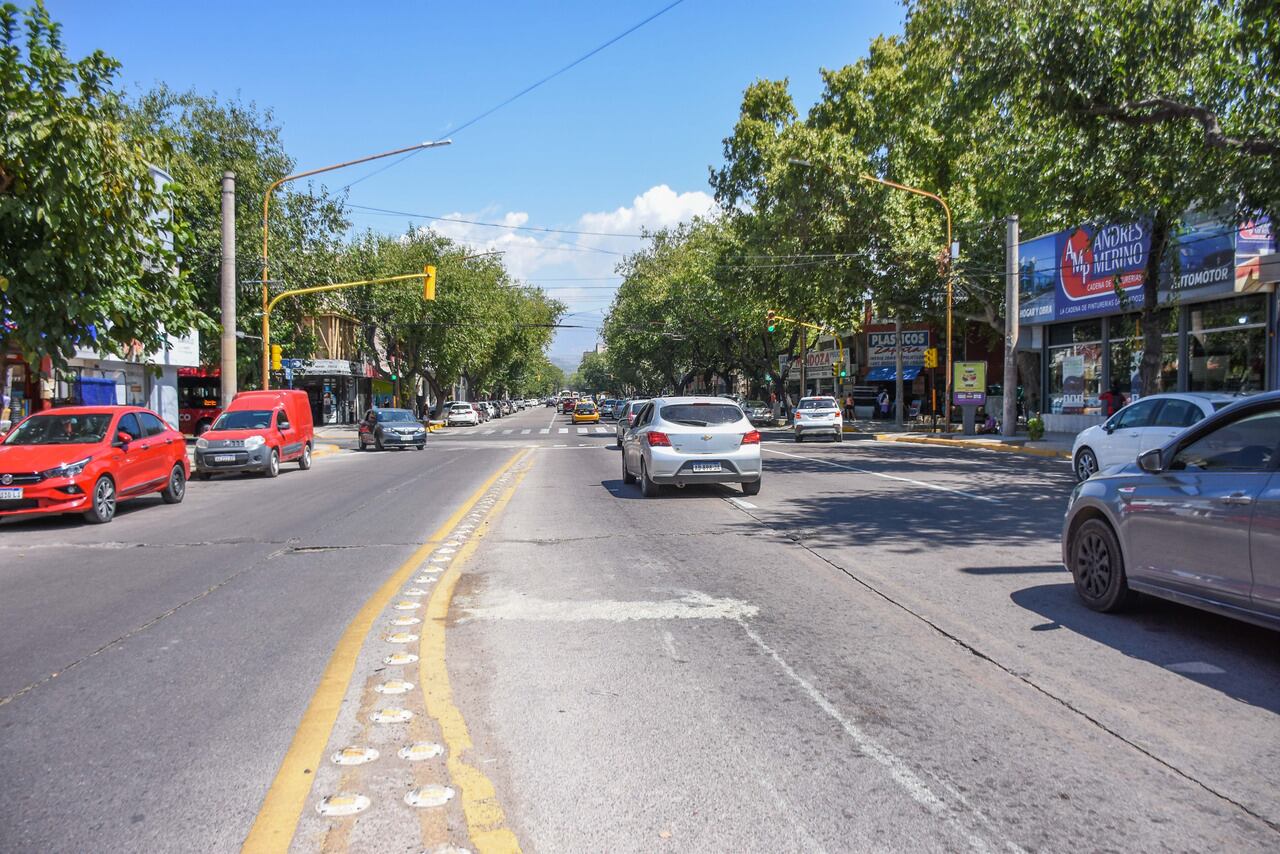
x=324 y=451
x=486 y=822
x=277 y=819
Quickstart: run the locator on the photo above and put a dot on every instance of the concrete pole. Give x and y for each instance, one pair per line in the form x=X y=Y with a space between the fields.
x=228 y=282
x=1009 y=417
x=897 y=362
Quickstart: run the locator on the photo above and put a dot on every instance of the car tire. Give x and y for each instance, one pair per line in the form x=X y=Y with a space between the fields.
x=648 y=488
x=304 y=461
x=204 y=475
x=752 y=487
x=377 y=443
x=1085 y=464
x=627 y=476
x=1097 y=567
x=102 y=501
x=273 y=464
x=617 y=442
x=421 y=446
x=176 y=488
x=840 y=435
x=799 y=436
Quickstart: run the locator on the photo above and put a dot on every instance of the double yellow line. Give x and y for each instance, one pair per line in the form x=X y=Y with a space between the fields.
x=277 y=819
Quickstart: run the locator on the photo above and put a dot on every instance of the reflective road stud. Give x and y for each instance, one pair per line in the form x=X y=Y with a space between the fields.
x=391 y=715
x=429 y=796
x=341 y=804
x=400 y=658
x=395 y=686
x=354 y=756
x=420 y=750
x=405 y=605
x=405 y=621
x=415 y=591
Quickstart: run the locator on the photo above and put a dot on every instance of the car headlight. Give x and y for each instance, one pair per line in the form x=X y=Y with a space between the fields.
x=254 y=442
x=202 y=443
x=67 y=469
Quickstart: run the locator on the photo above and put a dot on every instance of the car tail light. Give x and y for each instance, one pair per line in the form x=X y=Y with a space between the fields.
x=752 y=438
x=798 y=416
x=659 y=440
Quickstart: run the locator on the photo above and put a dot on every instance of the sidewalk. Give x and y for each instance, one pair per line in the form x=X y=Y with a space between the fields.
x=1054 y=445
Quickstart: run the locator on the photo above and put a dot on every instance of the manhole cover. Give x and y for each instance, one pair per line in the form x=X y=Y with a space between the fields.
x=420 y=750
x=391 y=716
x=343 y=803
x=429 y=796
x=395 y=686
x=400 y=658
x=354 y=756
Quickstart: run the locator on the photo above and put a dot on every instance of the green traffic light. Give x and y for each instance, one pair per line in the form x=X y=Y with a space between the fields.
x=771 y=327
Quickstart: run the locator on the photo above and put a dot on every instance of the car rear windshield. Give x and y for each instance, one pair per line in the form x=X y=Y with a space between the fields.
x=585 y=407
x=818 y=403
x=244 y=419
x=701 y=414
x=395 y=415
x=754 y=404
x=61 y=430
x=461 y=407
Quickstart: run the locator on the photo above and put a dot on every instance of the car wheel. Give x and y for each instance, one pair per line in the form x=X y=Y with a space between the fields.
x=176 y=488
x=304 y=461
x=204 y=475
x=840 y=435
x=102 y=507
x=627 y=476
x=648 y=488
x=752 y=487
x=420 y=447
x=799 y=436
x=617 y=441
x=1098 y=567
x=1086 y=465
x=273 y=464
x=377 y=443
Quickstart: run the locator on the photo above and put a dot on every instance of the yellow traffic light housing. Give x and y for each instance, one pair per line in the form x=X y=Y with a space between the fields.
x=277 y=352
x=771 y=319
x=429 y=282
x=931 y=357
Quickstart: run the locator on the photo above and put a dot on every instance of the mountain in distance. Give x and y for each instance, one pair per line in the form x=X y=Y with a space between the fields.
x=568 y=364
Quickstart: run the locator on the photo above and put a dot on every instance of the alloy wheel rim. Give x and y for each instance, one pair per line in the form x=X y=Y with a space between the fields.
x=1086 y=466
x=176 y=483
x=105 y=499
x=275 y=463
x=1093 y=565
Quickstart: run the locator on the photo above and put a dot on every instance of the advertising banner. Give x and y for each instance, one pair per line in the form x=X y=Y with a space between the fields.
x=1094 y=270
x=1073 y=384
x=816 y=363
x=969 y=383
x=881 y=345
x=1254 y=240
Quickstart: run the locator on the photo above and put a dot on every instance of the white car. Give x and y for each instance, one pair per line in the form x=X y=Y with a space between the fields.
x=818 y=416
x=461 y=413
x=683 y=440
x=1147 y=423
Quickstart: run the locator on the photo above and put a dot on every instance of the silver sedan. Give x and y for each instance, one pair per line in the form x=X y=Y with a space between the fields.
x=683 y=440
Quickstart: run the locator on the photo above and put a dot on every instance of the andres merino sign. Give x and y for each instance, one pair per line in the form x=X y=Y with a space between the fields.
x=1094 y=263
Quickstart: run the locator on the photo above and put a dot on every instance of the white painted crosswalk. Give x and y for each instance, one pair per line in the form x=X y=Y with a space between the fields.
x=525 y=432
x=582 y=431
x=508 y=432
x=545 y=430
x=602 y=429
x=564 y=430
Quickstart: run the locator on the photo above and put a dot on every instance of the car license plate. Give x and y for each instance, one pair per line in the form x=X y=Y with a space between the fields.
x=225 y=458
x=699 y=468
x=10 y=494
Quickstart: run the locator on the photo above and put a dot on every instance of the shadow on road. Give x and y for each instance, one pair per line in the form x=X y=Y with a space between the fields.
x=1238 y=659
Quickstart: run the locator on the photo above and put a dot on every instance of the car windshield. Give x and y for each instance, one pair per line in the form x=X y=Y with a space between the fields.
x=244 y=419
x=461 y=407
x=586 y=407
x=395 y=415
x=61 y=430
x=701 y=414
x=818 y=403
x=754 y=404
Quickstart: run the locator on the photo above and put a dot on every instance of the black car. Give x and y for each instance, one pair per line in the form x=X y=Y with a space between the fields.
x=390 y=428
x=759 y=413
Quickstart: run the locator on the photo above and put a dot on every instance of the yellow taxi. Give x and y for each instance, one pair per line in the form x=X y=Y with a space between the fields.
x=585 y=412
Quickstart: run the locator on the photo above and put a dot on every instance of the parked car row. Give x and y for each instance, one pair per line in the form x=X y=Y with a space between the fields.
x=87 y=459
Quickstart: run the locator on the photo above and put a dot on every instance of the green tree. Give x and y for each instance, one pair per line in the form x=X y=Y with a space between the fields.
x=84 y=255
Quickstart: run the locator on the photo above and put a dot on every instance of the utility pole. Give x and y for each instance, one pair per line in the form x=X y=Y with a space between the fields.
x=1009 y=417
x=897 y=361
x=228 y=282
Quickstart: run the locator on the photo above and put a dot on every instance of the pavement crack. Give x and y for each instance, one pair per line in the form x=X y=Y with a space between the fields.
x=1021 y=677
x=124 y=637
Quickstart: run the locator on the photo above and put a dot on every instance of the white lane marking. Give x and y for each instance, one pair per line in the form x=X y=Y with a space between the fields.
x=602 y=429
x=508 y=432
x=544 y=431
x=563 y=430
x=490 y=432
x=692 y=606
x=527 y=431
x=565 y=446
x=582 y=431
x=745 y=505
x=552 y=422
x=1198 y=667
x=912 y=481
x=899 y=770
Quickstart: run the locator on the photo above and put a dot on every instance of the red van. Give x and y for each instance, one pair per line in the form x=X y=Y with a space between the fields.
x=86 y=459
x=258 y=431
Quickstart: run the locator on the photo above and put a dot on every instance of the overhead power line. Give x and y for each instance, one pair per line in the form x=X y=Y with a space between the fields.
x=503 y=225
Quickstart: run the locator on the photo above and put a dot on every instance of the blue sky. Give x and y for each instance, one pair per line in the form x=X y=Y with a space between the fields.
x=623 y=140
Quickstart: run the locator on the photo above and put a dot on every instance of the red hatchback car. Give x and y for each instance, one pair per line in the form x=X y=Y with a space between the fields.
x=85 y=459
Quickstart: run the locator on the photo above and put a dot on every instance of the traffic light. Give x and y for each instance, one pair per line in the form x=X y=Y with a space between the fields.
x=429 y=282
x=276 y=353
x=843 y=371
x=931 y=357
x=771 y=318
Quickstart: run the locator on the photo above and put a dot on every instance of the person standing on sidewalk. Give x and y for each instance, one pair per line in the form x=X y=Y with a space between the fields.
x=882 y=403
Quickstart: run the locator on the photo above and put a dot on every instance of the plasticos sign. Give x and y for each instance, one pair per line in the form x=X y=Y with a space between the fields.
x=1093 y=270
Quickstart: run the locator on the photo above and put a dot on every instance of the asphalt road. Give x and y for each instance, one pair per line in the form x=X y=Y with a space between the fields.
x=878 y=652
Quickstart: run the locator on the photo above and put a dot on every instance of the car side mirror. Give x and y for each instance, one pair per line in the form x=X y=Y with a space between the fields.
x=1108 y=427
x=1151 y=461
x=123 y=438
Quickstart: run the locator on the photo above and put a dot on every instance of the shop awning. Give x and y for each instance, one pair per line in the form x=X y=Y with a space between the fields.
x=887 y=374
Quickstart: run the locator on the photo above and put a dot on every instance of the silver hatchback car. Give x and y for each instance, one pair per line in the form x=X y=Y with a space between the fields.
x=683 y=440
x=1196 y=520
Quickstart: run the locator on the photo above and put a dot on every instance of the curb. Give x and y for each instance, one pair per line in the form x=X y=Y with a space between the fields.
x=326 y=450
x=986 y=446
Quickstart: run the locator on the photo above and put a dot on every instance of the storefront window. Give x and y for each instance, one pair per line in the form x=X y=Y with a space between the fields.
x=1226 y=343
x=1075 y=374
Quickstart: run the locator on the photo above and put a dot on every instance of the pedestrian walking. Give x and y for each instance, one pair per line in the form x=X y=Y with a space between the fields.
x=882 y=403
x=848 y=406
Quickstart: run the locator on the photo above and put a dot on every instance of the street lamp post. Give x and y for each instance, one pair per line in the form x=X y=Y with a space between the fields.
x=266 y=204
